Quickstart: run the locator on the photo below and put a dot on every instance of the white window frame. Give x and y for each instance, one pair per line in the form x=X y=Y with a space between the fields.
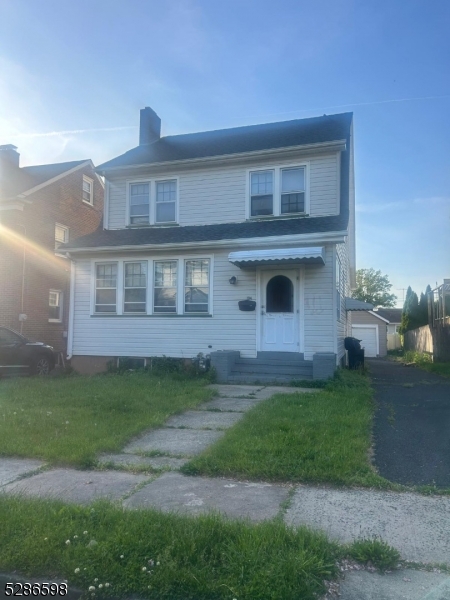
x=181 y=261
x=277 y=169
x=91 y=195
x=185 y=261
x=118 y=288
x=60 y=305
x=132 y=262
x=152 y=182
x=65 y=229
x=177 y=286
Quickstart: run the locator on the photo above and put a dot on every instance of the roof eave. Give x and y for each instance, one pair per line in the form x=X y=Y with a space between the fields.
x=335 y=237
x=330 y=146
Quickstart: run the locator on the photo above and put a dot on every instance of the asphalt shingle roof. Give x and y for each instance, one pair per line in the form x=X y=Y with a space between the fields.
x=393 y=315
x=17 y=180
x=226 y=142
x=236 y=140
x=205 y=233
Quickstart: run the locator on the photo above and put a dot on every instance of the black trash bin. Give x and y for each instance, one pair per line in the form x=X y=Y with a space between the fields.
x=355 y=353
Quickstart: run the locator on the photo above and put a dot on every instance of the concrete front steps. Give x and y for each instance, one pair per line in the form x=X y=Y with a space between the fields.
x=271 y=367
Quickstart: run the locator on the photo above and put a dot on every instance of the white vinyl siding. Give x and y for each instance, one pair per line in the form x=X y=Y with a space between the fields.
x=226 y=328
x=319 y=312
x=221 y=194
x=172 y=335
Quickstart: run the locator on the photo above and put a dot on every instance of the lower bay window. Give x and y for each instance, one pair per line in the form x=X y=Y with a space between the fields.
x=135 y=287
x=152 y=287
x=165 y=287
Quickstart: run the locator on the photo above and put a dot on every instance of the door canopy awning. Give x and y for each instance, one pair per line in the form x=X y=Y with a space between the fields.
x=279 y=256
x=353 y=304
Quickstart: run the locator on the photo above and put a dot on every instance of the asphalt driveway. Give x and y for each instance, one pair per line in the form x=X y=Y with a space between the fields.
x=412 y=424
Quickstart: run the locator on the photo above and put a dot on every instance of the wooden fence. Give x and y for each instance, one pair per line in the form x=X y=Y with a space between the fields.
x=433 y=340
x=393 y=341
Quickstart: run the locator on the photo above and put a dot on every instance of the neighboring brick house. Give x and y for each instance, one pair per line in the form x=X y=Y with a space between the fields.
x=40 y=207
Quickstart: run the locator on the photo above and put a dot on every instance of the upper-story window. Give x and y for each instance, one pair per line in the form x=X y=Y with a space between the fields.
x=153 y=202
x=88 y=190
x=139 y=203
x=61 y=234
x=261 y=183
x=279 y=191
x=293 y=190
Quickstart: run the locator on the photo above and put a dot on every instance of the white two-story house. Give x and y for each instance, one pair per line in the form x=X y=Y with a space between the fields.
x=237 y=243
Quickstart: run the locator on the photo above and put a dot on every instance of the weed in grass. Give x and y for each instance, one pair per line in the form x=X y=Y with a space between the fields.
x=376 y=552
x=309 y=383
x=203 y=558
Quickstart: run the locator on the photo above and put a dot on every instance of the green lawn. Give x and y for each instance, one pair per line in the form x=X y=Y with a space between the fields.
x=69 y=420
x=321 y=437
x=204 y=558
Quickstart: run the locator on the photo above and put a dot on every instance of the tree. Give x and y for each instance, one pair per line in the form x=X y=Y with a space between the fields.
x=373 y=287
x=415 y=312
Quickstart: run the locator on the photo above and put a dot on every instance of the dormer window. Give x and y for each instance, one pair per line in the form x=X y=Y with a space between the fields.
x=152 y=202
x=88 y=190
x=279 y=191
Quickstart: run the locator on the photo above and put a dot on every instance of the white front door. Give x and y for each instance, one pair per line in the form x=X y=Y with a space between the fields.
x=280 y=311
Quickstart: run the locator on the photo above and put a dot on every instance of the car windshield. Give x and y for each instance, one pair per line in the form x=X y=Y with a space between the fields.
x=8 y=337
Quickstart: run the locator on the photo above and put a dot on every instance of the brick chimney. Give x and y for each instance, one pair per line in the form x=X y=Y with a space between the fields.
x=150 y=126
x=9 y=155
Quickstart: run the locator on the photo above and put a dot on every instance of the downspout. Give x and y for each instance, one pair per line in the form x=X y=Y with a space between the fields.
x=71 y=308
x=22 y=295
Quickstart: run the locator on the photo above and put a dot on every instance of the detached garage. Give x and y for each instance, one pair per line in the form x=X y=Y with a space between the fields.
x=372 y=330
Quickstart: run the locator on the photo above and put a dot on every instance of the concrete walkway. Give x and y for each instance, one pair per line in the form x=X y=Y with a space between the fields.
x=418 y=526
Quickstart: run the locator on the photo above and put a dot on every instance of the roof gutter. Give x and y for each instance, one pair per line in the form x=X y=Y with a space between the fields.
x=332 y=146
x=334 y=237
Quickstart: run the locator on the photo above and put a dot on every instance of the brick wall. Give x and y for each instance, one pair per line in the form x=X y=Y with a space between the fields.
x=60 y=202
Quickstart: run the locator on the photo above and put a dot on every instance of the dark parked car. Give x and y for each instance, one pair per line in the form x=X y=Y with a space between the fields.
x=20 y=355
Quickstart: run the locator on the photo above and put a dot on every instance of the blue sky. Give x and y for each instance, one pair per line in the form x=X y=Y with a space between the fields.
x=73 y=76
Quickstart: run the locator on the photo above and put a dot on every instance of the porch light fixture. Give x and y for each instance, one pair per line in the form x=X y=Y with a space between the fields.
x=233 y=280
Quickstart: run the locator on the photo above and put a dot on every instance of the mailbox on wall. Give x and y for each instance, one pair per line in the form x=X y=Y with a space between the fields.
x=247 y=305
